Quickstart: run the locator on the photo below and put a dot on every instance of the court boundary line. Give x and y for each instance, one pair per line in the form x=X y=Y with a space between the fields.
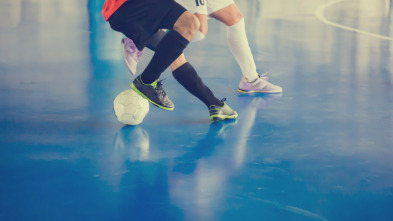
x=319 y=13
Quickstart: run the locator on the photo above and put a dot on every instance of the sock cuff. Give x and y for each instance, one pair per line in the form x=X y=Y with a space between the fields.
x=183 y=41
x=238 y=25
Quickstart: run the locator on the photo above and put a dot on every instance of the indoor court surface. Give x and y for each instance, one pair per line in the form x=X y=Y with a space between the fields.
x=321 y=150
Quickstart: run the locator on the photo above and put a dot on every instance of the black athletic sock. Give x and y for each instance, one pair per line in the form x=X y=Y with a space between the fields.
x=189 y=79
x=168 y=50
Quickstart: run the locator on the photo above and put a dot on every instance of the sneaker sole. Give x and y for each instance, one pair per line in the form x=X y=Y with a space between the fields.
x=157 y=105
x=264 y=92
x=219 y=117
x=123 y=46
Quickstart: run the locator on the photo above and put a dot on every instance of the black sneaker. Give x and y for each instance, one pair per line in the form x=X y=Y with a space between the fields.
x=153 y=92
x=224 y=112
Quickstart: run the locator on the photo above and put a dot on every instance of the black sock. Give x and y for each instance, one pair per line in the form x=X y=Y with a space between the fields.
x=168 y=50
x=189 y=79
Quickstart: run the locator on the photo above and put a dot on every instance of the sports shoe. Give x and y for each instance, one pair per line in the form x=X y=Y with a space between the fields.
x=224 y=112
x=260 y=85
x=131 y=54
x=153 y=92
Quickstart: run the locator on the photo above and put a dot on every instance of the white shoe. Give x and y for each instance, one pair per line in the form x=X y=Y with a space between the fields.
x=260 y=85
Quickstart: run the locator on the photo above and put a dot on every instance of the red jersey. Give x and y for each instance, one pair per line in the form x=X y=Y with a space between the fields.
x=110 y=6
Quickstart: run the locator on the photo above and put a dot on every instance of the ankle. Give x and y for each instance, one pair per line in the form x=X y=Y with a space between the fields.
x=144 y=80
x=252 y=80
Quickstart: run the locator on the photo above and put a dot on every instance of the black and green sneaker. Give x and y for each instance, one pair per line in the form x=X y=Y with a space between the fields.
x=153 y=92
x=224 y=112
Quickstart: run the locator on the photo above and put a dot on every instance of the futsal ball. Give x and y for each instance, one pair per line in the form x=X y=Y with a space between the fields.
x=130 y=107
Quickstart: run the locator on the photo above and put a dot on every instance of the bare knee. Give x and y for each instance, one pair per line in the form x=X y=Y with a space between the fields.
x=203 y=28
x=229 y=15
x=234 y=18
x=187 y=25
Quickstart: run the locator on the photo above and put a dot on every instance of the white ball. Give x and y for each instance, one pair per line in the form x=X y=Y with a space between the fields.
x=130 y=107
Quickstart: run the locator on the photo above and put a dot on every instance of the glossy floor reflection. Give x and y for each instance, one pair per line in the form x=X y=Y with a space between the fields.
x=320 y=151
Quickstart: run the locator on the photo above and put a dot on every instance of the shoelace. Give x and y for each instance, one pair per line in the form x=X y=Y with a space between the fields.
x=263 y=77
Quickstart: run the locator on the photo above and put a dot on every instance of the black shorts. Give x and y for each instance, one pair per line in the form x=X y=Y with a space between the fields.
x=140 y=19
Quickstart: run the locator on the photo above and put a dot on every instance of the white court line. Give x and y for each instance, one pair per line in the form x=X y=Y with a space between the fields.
x=319 y=14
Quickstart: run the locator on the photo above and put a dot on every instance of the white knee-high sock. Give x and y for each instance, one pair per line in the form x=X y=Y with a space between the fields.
x=238 y=44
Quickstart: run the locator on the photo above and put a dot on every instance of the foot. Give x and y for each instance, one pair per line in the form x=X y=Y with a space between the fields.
x=224 y=112
x=153 y=92
x=131 y=54
x=260 y=85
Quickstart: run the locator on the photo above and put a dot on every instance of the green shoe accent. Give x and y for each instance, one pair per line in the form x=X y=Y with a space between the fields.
x=140 y=93
x=154 y=84
x=218 y=113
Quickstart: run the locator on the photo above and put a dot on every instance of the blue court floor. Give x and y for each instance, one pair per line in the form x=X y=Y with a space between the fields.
x=321 y=150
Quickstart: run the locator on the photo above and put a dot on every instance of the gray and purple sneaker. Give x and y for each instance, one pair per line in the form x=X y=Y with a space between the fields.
x=131 y=54
x=260 y=85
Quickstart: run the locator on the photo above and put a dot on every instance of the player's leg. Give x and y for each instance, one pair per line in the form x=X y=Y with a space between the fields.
x=139 y=21
x=229 y=14
x=236 y=35
x=187 y=76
